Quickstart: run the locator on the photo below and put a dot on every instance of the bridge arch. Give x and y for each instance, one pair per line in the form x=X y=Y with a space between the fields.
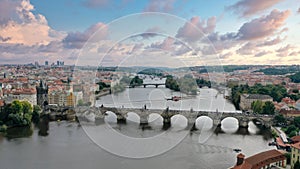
x=133 y=117
x=110 y=117
x=230 y=124
x=204 y=123
x=179 y=122
x=155 y=119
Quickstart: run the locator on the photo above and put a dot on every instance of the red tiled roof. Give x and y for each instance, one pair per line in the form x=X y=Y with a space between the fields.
x=261 y=159
x=296 y=139
x=297 y=146
x=1 y=103
x=286 y=112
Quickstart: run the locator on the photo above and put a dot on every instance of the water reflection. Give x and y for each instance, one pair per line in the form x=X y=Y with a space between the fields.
x=230 y=125
x=44 y=125
x=19 y=132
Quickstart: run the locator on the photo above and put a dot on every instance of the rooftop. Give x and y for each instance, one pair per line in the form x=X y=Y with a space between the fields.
x=261 y=159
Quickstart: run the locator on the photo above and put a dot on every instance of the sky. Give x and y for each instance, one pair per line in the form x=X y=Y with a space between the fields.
x=169 y=33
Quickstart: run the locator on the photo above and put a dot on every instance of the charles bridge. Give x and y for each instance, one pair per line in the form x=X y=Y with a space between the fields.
x=191 y=115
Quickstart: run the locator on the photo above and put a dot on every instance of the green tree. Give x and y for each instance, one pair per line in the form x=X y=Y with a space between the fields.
x=80 y=103
x=290 y=129
x=297 y=121
x=257 y=106
x=36 y=114
x=268 y=108
x=288 y=158
x=17 y=107
x=297 y=165
x=172 y=83
x=136 y=81
x=280 y=119
x=27 y=108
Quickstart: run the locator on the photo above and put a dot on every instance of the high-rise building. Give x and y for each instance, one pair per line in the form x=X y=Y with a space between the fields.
x=57 y=63
x=46 y=63
x=36 y=63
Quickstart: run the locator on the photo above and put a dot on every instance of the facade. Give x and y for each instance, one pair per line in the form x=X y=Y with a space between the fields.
x=21 y=94
x=263 y=160
x=62 y=98
x=290 y=113
x=247 y=99
x=295 y=155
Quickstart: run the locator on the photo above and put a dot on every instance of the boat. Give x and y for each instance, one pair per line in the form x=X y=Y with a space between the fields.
x=237 y=150
x=174 y=98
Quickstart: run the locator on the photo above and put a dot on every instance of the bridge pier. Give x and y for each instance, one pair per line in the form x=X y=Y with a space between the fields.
x=166 y=123
x=144 y=124
x=121 y=119
x=243 y=123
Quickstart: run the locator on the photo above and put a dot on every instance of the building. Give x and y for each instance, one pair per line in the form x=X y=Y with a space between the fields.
x=2 y=104
x=62 y=98
x=263 y=160
x=247 y=99
x=21 y=94
x=42 y=94
x=290 y=113
x=46 y=63
x=295 y=155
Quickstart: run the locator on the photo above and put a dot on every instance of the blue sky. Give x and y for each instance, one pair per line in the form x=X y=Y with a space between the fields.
x=234 y=31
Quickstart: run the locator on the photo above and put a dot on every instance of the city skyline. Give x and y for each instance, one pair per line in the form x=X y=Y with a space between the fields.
x=240 y=32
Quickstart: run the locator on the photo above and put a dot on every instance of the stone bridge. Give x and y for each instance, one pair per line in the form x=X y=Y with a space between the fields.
x=148 y=84
x=167 y=114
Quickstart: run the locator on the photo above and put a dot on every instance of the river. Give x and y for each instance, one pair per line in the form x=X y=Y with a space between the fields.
x=71 y=146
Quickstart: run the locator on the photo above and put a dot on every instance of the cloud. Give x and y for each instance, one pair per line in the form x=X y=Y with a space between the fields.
x=251 y=7
x=2 y=39
x=96 y=32
x=95 y=3
x=18 y=24
x=247 y=49
x=294 y=53
x=262 y=53
x=264 y=26
x=167 y=44
x=298 y=10
x=272 y=42
x=284 y=51
x=151 y=32
x=160 y=6
x=195 y=29
x=226 y=55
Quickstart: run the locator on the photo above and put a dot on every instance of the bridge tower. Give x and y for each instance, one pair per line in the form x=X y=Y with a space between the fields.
x=42 y=94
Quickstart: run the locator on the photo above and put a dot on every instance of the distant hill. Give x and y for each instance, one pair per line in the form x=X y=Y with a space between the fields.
x=279 y=71
x=295 y=77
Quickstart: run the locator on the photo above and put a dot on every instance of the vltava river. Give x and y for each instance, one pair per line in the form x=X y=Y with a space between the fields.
x=69 y=146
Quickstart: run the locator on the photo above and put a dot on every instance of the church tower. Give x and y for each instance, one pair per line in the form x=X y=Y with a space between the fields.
x=42 y=94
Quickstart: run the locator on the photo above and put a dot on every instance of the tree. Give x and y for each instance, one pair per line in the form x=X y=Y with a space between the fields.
x=27 y=108
x=257 y=106
x=268 y=108
x=18 y=113
x=297 y=165
x=280 y=119
x=290 y=130
x=172 y=84
x=136 y=81
x=36 y=114
x=17 y=107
